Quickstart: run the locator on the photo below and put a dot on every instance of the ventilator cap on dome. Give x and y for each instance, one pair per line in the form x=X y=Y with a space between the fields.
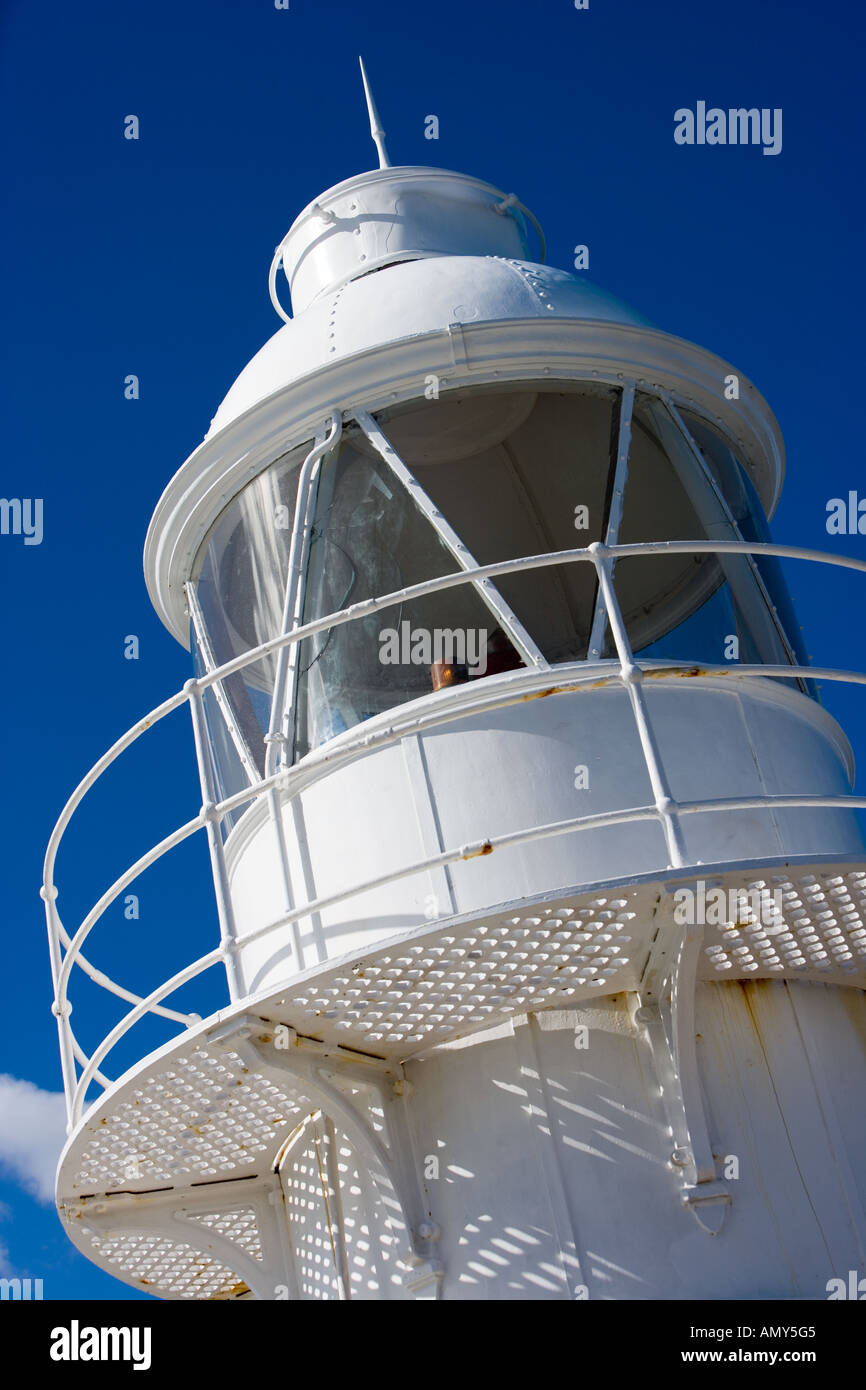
x=389 y=215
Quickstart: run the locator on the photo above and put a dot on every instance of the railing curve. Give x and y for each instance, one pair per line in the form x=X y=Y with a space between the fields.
x=456 y=703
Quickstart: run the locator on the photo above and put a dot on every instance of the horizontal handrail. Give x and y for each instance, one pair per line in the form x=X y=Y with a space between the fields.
x=175 y=838
x=181 y=977
x=324 y=762
x=429 y=586
x=359 y=742
x=601 y=819
x=592 y=553
x=100 y=978
x=114 y=752
x=477 y=849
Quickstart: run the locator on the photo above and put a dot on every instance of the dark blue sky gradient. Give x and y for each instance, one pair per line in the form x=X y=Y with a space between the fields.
x=152 y=258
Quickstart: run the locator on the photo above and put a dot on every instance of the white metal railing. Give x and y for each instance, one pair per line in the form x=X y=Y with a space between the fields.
x=445 y=706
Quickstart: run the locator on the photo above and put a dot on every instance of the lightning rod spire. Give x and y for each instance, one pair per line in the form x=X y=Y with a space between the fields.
x=376 y=130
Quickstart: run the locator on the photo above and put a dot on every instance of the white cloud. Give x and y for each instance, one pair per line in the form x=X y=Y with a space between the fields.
x=32 y=1133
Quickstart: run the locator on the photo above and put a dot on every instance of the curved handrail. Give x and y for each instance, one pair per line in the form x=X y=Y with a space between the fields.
x=477 y=849
x=599 y=820
x=593 y=553
x=272 y=281
x=324 y=762
x=511 y=200
x=169 y=842
x=430 y=586
x=119 y=746
x=356 y=744
x=181 y=977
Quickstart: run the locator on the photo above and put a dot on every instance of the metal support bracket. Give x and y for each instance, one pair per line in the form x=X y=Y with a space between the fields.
x=666 y=1010
x=175 y=1215
x=387 y=1150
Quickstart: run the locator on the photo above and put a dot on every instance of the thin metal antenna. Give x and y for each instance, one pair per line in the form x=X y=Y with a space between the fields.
x=376 y=130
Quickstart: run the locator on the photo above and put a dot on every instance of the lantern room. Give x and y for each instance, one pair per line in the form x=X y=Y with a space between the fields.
x=501 y=469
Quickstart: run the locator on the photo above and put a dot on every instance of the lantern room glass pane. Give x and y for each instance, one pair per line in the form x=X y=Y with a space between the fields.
x=231 y=775
x=515 y=470
x=369 y=539
x=240 y=587
x=739 y=493
x=521 y=471
x=698 y=608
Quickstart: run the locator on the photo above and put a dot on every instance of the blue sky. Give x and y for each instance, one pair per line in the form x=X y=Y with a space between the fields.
x=151 y=258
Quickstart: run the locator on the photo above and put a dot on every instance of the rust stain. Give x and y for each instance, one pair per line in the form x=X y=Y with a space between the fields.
x=855 y=1012
x=486 y=848
x=664 y=671
x=568 y=689
x=752 y=987
x=753 y=991
x=686 y=674
x=650 y=673
x=543 y=694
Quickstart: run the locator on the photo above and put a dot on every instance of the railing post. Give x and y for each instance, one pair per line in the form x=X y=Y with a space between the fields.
x=228 y=934
x=631 y=676
x=61 y=1008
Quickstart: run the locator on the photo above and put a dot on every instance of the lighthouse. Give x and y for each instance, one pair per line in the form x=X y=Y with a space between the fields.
x=540 y=881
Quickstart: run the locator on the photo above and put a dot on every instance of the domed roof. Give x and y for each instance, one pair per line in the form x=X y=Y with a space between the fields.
x=407 y=299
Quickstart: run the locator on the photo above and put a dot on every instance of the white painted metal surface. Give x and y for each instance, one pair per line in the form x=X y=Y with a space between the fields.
x=472 y=1048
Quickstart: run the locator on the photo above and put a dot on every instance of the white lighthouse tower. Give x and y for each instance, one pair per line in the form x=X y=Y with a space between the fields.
x=540 y=881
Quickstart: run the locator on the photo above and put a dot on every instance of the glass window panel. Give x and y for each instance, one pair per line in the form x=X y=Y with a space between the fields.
x=516 y=471
x=230 y=773
x=686 y=607
x=240 y=585
x=519 y=472
x=370 y=539
x=740 y=495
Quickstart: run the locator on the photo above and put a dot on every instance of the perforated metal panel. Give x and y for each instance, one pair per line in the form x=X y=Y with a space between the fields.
x=311 y=1211
x=204 y=1116
x=238 y=1225
x=821 y=930
x=399 y=1000
x=169 y=1267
